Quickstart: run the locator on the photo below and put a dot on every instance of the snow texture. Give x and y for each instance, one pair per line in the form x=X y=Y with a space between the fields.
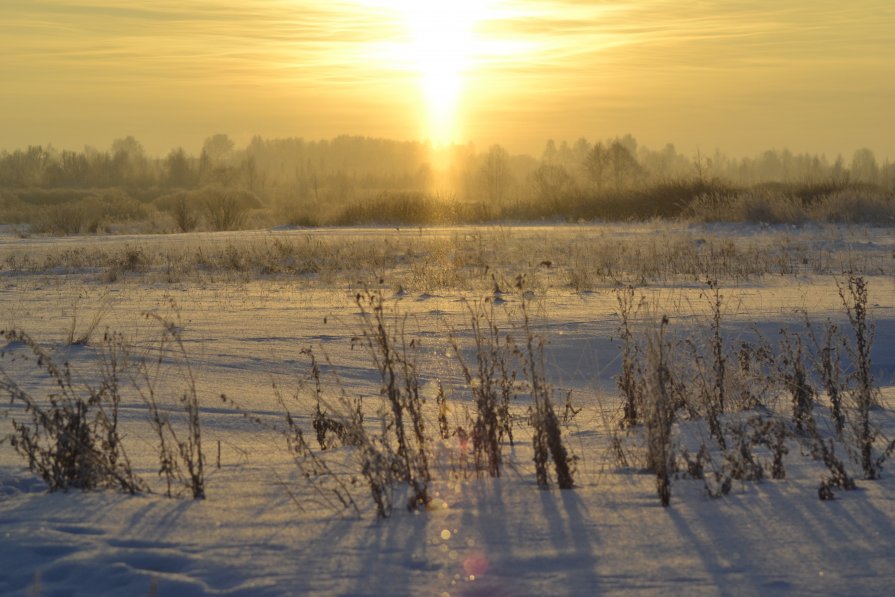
x=262 y=529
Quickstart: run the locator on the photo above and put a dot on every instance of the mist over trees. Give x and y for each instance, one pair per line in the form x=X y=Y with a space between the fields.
x=298 y=181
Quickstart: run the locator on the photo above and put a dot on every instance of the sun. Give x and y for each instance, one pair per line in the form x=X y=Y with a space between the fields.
x=442 y=49
x=441 y=44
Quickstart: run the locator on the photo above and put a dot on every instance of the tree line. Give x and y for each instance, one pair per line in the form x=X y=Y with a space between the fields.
x=298 y=180
x=347 y=166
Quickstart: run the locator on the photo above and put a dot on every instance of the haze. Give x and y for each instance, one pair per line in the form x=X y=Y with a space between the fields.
x=739 y=76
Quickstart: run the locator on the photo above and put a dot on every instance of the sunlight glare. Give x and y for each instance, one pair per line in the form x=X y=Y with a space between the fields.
x=443 y=47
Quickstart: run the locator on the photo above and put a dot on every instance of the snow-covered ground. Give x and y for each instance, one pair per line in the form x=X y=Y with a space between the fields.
x=265 y=530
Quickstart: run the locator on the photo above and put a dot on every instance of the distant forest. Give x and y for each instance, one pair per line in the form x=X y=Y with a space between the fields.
x=358 y=180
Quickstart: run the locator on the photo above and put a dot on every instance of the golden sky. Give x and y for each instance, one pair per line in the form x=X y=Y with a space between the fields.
x=740 y=76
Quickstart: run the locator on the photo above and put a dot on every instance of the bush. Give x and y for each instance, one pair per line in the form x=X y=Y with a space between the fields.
x=401 y=453
x=546 y=433
x=72 y=439
x=747 y=206
x=856 y=207
x=492 y=383
x=412 y=209
x=226 y=208
x=92 y=212
x=183 y=207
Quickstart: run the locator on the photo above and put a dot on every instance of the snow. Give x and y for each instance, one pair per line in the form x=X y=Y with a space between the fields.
x=264 y=531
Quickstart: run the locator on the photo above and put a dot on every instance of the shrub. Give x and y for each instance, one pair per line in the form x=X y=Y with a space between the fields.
x=98 y=211
x=226 y=208
x=857 y=206
x=546 y=433
x=629 y=381
x=411 y=209
x=492 y=384
x=862 y=391
x=183 y=207
x=400 y=453
x=795 y=379
x=329 y=487
x=659 y=415
x=72 y=440
x=747 y=206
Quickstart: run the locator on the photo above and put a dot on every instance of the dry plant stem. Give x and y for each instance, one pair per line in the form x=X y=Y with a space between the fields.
x=832 y=377
x=629 y=380
x=176 y=451
x=386 y=343
x=854 y=299
x=160 y=424
x=660 y=413
x=719 y=361
x=82 y=337
x=377 y=459
x=740 y=460
x=113 y=365
x=378 y=462
x=491 y=385
x=712 y=386
x=546 y=434
x=345 y=428
x=326 y=484
x=441 y=403
x=795 y=378
x=830 y=370
x=72 y=440
x=706 y=390
x=826 y=451
x=778 y=448
x=352 y=434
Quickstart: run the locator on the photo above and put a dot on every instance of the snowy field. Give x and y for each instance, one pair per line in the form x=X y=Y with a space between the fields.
x=234 y=314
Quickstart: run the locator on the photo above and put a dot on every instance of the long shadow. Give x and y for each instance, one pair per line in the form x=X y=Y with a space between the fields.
x=396 y=555
x=739 y=551
x=488 y=518
x=579 y=531
x=709 y=551
x=148 y=524
x=571 y=564
x=845 y=541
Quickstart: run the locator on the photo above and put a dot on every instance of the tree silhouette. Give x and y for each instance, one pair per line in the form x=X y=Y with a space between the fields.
x=496 y=173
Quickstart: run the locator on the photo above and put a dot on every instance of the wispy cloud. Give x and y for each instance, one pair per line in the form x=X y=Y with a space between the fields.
x=538 y=66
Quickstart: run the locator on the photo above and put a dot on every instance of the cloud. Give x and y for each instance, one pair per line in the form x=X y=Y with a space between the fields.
x=533 y=60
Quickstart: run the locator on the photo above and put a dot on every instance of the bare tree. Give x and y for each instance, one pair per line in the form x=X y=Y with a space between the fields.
x=496 y=173
x=595 y=166
x=227 y=208
x=864 y=167
x=218 y=148
x=552 y=182
x=623 y=167
x=179 y=172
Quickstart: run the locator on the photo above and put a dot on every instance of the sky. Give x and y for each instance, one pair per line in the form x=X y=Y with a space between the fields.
x=739 y=76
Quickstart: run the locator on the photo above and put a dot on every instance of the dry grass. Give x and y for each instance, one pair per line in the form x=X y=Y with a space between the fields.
x=782 y=205
x=582 y=259
x=755 y=400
